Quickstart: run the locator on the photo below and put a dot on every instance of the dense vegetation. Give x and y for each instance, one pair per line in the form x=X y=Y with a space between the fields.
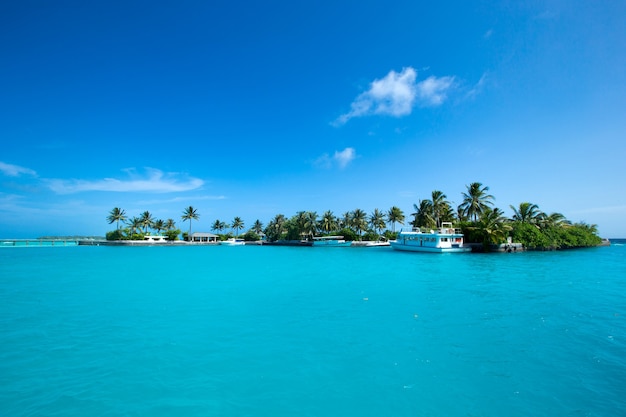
x=476 y=216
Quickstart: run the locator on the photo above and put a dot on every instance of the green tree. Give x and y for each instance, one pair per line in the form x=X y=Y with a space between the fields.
x=493 y=227
x=134 y=225
x=346 y=220
x=423 y=215
x=377 y=220
x=328 y=223
x=359 y=221
x=395 y=215
x=158 y=226
x=218 y=226
x=476 y=201
x=147 y=221
x=310 y=224
x=440 y=206
x=116 y=215
x=237 y=224
x=527 y=213
x=275 y=228
x=170 y=224
x=553 y=220
x=190 y=214
x=172 y=234
x=257 y=227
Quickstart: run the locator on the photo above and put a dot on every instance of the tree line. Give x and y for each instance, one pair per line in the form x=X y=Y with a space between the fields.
x=479 y=220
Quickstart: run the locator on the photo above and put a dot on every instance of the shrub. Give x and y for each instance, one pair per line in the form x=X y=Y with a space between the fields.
x=115 y=235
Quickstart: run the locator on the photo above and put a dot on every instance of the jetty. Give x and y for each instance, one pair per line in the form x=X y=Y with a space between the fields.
x=37 y=242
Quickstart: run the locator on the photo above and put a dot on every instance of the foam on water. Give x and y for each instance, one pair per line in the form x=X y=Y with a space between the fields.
x=271 y=331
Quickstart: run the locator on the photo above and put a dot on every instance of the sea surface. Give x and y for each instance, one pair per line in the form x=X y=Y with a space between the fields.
x=279 y=331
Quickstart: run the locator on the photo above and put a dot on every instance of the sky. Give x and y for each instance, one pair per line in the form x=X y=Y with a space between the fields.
x=253 y=109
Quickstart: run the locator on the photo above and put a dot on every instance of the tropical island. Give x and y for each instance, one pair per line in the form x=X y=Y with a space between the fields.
x=477 y=218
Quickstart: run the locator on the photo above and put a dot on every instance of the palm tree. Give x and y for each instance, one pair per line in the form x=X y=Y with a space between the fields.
x=257 y=227
x=359 y=221
x=159 y=225
x=395 y=215
x=310 y=225
x=300 y=220
x=553 y=220
x=146 y=220
x=346 y=220
x=377 y=220
x=439 y=206
x=237 y=224
x=190 y=214
x=493 y=226
x=116 y=215
x=134 y=224
x=476 y=200
x=423 y=216
x=276 y=227
x=527 y=213
x=328 y=222
x=218 y=226
x=170 y=224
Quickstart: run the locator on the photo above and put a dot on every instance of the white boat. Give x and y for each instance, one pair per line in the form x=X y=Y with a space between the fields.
x=446 y=239
x=335 y=241
x=382 y=241
x=233 y=242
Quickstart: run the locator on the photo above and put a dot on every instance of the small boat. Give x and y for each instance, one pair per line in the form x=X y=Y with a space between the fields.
x=446 y=239
x=233 y=242
x=382 y=241
x=330 y=241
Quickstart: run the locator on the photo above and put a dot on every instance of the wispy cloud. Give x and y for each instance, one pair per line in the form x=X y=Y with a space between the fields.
x=15 y=170
x=340 y=159
x=154 y=181
x=397 y=93
x=433 y=91
x=477 y=88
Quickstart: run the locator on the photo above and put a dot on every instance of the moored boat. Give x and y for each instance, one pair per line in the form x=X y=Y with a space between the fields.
x=233 y=242
x=336 y=241
x=382 y=241
x=446 y=239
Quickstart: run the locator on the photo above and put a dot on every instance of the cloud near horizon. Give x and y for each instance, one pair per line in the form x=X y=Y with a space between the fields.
x=340 y=159
x=154 y=181
x=397 y=93
x=15 y=170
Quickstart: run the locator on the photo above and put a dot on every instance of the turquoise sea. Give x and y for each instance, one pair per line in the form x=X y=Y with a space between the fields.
x=279 y=331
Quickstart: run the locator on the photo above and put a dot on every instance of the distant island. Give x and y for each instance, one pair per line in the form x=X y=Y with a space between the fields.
x=476 y=216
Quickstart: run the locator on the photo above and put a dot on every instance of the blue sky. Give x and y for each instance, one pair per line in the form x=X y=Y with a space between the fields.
x=252 y=109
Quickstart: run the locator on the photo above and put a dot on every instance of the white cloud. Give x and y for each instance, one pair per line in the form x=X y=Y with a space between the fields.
x=15 y=170
x=433 y=91
x=154 y=181
x=344 y=157
x=397 y=93
x=340 y=159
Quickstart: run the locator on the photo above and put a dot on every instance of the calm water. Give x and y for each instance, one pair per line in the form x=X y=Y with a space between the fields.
x=269 y=331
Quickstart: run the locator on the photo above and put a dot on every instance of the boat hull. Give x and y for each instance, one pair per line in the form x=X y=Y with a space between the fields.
x=415 y=248
x=331 y=243
x=232 y=242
